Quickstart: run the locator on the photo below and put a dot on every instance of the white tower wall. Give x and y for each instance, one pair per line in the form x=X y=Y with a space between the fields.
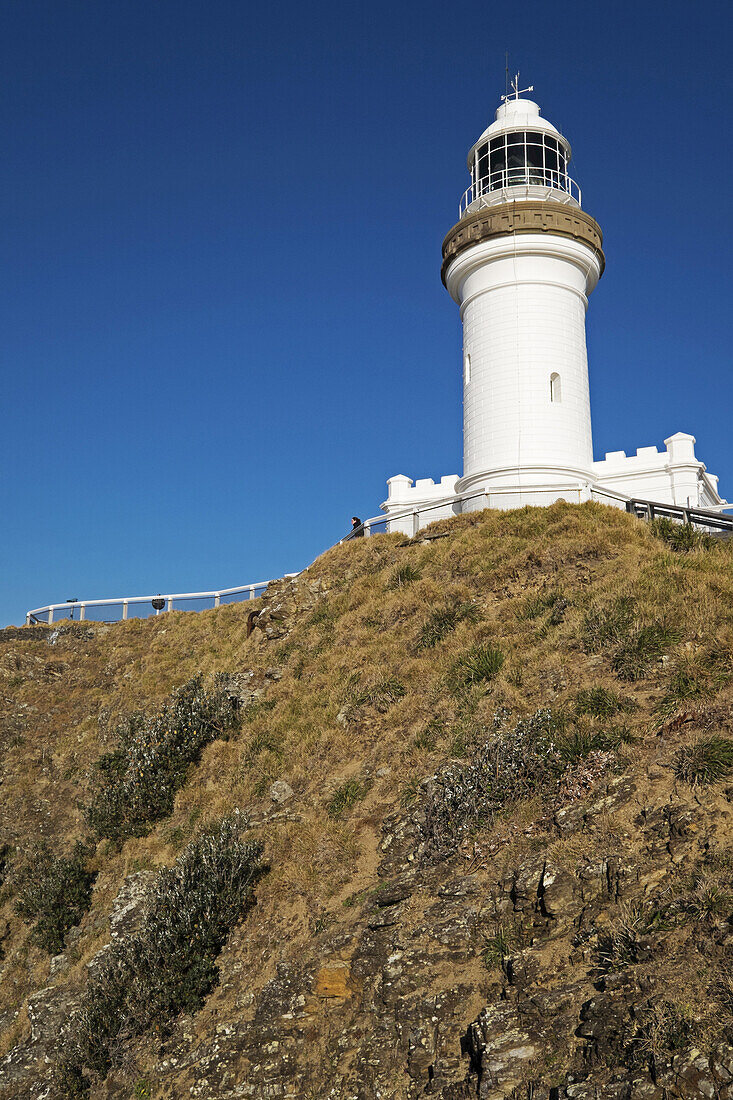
x=523 y=299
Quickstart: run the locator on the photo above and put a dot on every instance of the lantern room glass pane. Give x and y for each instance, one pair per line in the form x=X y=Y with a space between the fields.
x=551 y=162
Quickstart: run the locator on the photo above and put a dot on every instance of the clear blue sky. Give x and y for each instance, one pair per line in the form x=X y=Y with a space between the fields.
x=222 y=322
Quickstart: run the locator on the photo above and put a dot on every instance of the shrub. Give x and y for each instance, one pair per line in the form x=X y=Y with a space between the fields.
x=480 y=664
x=680 y=536
x=441 y=622
x=169 y=966
x=516 y=762
x=403 y=576
x=345 y=796
x=704 y=761
x=136 y=784
x=54 y=893
x=600 y=702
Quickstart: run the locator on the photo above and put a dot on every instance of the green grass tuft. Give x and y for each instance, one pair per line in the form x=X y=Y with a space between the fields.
x=480 y=664
x=705 y=761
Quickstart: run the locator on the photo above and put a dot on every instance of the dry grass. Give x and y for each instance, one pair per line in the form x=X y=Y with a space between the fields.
x=358 y=695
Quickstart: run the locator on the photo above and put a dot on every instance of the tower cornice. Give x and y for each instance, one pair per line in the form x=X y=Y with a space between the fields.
x=509 y=218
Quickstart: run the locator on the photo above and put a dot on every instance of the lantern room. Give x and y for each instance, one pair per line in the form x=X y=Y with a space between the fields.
x=520 y=156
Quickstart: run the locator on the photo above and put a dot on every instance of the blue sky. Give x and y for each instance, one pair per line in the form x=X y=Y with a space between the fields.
x=222 y=320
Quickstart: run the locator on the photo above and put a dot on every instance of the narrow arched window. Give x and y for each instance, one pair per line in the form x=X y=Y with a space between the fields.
x=467 y=369
x=555 y=388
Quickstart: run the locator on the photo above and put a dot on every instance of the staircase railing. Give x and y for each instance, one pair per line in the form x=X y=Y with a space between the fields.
x=698 y=517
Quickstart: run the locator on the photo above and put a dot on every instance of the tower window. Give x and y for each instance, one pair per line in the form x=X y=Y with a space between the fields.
x=555 y=389
x=467 y=369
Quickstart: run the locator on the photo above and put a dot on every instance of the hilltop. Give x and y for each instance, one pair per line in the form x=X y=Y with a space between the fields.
x=453 y=820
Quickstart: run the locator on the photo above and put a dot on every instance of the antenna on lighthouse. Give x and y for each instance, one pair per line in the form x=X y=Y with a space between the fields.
x=506 y=72
x=517 y=90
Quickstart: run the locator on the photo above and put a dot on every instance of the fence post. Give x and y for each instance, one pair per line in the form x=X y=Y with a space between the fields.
x=217 y=599
x=50 y=615
x=415 y=522
x=367 y=528
x=125 y=609
x=170 y=604
x=82 y=612
x=251 y=592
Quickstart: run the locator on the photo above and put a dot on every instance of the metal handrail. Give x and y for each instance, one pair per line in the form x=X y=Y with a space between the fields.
x=510 y=178
x=125 y=601
x=698 y=517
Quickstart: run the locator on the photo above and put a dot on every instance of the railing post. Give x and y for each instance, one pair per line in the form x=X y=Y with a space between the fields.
x=251 y=592
x=82 y=612
x=217 y=599
x=170 y=604
x=415 y=522
x=50 y=615
x=367 y=529
x=125 y=609
x=650 y=510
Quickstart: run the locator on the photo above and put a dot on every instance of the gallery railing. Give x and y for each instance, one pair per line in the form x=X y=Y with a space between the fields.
x=484 y=191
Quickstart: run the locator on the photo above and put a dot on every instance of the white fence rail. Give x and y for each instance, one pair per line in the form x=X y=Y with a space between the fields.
x=407 y=521
x=80 y=608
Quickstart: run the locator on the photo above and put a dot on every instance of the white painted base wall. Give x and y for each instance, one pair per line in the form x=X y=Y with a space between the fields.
x=672 y=476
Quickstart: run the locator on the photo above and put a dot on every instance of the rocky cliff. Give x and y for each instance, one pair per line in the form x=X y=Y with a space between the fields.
x=453 y=820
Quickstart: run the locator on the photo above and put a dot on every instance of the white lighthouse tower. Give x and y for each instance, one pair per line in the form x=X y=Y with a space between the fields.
x=521 y=263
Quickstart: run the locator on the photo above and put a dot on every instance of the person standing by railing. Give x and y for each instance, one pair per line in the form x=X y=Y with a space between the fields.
x=357 y=528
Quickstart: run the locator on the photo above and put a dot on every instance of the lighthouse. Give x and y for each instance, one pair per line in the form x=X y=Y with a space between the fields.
x=521 y=263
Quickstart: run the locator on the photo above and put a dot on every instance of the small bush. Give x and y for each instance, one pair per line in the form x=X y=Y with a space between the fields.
x=600 y=702
x=136 y=784
x=479 y=665
x=403 y=576
x=682 y=537
x=516 y=762
x=706 y=760
x=346 y=796
x=443 y=621
x=54 y=893
x=169 y=966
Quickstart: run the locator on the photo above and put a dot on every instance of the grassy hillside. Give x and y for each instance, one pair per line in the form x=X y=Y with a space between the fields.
x=489 y=770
